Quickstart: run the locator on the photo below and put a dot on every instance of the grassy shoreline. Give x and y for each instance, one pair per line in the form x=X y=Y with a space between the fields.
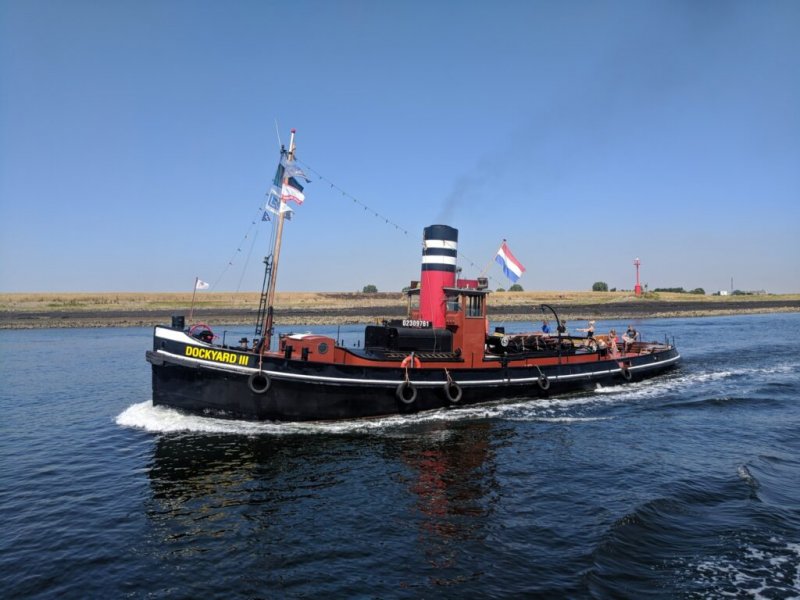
x=132 y=309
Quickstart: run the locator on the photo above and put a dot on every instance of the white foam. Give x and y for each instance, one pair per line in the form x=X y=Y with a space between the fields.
x=680 y=382
x=745 y=475
x=758 y=572
x=160 y=419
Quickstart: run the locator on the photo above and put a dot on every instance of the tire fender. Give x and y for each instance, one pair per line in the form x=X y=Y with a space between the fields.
x=259 y=382
x=406 y=393
x=544 y=382
x=453 y=392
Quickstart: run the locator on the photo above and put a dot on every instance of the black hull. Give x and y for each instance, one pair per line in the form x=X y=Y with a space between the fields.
x=306 y=391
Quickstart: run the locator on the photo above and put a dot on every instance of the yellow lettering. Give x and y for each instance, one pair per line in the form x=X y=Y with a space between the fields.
x=217 y=355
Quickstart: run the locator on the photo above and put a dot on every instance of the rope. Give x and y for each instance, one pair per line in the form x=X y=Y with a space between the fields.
x=353 y=198
x=238 y=250
x=247 y=261
x=388 y=221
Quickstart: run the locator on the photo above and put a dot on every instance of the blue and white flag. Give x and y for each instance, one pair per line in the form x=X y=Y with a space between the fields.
x=290 y=169
x=273 y=202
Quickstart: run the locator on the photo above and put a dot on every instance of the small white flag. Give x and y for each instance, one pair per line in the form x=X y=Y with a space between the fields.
x=286 y=211
x=201 y=285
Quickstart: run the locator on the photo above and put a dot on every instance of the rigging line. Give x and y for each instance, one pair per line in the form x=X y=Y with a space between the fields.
x=278 y=133
x=474 y=266
x=353 y=198
x=247 y=261
x=367 y=208
x=229 y=264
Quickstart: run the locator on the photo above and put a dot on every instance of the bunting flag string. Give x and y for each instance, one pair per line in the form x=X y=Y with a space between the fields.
x=377 y=214
x=233 y=259
x=366 y=208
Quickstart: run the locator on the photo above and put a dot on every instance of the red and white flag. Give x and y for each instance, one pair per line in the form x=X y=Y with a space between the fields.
x=289 y=192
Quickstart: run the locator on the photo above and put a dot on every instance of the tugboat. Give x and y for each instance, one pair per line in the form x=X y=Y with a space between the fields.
x=442 y=355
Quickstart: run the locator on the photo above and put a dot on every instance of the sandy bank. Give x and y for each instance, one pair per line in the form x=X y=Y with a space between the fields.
x=26 y=311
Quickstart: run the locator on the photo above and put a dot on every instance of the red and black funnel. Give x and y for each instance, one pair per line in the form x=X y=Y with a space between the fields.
x=439 y=251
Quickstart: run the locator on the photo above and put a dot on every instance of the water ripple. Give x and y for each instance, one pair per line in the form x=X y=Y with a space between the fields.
x=687 y=485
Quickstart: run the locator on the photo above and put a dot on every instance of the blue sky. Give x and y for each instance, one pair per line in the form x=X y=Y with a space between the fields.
x=137 y=140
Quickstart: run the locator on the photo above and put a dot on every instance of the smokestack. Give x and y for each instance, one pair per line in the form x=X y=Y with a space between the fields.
x=439 y=245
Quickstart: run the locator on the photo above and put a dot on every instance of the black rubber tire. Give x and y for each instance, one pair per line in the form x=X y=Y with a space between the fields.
x=254 y=382
x=453 y=392
x=626 y=374
x=544 y=383
x=400 y=392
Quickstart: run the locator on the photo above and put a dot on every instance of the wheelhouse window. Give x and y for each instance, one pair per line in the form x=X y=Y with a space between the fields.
x=413 y=302
x=474 y=306
x=453 y=303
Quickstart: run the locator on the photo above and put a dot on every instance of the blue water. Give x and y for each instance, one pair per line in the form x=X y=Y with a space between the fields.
x=685 y=486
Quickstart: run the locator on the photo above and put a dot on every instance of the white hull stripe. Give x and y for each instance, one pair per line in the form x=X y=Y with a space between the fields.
x=279 y=375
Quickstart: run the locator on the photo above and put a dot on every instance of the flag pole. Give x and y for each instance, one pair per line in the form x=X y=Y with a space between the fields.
x=194 y=293
x=489 y=264
x=266 y=336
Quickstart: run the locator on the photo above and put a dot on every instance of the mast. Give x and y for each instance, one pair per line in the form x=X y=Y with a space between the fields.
x=276 y=253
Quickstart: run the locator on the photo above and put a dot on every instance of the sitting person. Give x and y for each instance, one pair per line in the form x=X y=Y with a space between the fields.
x=546 y=327
x=631 y=335
x=562 y=327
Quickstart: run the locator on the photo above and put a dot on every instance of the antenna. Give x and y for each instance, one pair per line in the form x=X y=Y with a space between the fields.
x=278 y=133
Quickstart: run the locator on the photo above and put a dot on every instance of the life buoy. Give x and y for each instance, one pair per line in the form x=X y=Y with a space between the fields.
x=411 y=360
x=202 y=332
x=626 y=373
x=406 y=392
x=453 y=392
x=259 y=382
x=544 y=382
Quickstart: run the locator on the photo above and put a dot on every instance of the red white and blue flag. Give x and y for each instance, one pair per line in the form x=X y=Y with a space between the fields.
x=511 y=266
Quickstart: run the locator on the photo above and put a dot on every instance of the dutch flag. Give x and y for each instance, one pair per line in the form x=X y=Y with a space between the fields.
x=511 y=266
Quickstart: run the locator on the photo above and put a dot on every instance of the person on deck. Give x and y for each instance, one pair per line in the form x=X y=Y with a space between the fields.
x=631 y=335
x=612 y=342
x=589 y=330
x=562 y=327
x=545 y=327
